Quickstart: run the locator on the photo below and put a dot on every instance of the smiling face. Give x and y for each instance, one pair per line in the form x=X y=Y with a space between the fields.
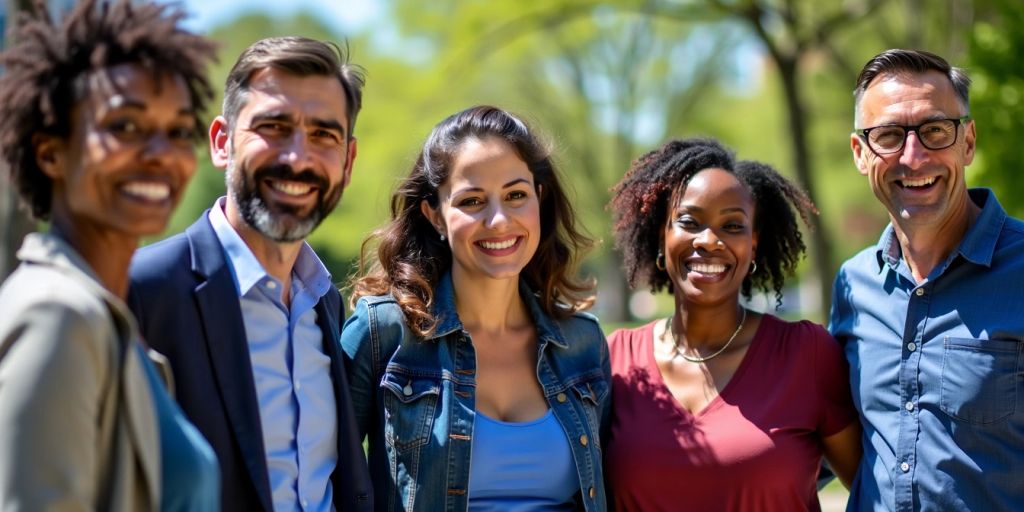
x=709 y=239
x=489 y=210
x=129 y=155
x=288 y=155
x=919 y=186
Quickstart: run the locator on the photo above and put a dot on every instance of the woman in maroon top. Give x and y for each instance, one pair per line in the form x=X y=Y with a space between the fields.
x=718 y=407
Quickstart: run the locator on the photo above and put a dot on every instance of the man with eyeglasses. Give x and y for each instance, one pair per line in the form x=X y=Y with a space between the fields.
x=932 y=318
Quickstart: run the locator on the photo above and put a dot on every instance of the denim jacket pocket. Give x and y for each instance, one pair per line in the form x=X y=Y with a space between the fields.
x=409 y=405
x=592 y=394
x=979 y=379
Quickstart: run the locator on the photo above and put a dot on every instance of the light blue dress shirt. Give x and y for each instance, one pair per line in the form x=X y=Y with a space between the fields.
x=298 y=411
x=937 y=370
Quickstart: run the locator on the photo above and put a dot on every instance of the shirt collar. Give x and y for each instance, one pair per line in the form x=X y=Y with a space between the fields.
x=249 y=272
x=978 y=244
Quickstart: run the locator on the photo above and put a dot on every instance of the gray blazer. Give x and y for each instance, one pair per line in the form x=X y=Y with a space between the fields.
x=78 y=427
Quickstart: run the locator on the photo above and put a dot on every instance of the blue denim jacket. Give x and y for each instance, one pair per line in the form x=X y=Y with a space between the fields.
x=415 y=399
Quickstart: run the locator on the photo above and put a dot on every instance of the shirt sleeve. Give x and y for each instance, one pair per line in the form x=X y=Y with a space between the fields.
x=832 y=376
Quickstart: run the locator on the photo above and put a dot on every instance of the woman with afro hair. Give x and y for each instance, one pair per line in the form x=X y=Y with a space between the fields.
x=718 y=407
x=98 y=124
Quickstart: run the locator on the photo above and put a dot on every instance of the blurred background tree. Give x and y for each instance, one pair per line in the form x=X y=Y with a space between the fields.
x=608 y=81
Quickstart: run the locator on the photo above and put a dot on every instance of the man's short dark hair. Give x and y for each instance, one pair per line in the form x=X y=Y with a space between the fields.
x=299 y=56
x=897 y=61
x=48 y=67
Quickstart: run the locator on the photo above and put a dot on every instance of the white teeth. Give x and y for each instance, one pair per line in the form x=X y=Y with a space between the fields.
x=494 y=246
x=707 y=268
x=292 y=188
x=147 y=190
x=924 y=182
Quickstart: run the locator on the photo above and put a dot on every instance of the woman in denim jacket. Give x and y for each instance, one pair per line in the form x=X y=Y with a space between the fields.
x=479 y=383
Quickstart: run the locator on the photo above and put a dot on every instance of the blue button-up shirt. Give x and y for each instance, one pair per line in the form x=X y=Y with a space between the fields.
x=298 y=411
x=937 y=370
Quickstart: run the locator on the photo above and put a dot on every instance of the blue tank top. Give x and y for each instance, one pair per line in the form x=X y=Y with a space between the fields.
x=520 y=467
x=191 y=477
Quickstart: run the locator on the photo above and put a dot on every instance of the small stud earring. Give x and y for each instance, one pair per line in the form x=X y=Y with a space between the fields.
x=443 y=237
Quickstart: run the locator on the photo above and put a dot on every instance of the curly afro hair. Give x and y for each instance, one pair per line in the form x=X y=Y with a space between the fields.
x=780 y=245
x=640 y=206
x=48 y=66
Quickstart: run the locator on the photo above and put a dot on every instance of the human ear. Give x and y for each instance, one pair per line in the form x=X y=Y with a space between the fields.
x=970 y=138
x=49 y=153
x=220 y=142
x=346 y=172
x=860 y=153
x=433 y=215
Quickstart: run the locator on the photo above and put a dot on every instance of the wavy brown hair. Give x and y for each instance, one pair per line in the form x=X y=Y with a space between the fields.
x=410 y=258
x=48 y=66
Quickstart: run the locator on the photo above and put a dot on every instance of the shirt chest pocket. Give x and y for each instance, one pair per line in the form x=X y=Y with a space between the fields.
x=979 y=379
x=410 y=403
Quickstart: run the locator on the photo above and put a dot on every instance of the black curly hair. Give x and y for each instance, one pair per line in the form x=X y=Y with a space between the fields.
x=780 y=245
x=640 y=206
x=46 y=73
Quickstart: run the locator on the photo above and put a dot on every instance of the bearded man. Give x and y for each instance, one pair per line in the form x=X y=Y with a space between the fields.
x=240 y=303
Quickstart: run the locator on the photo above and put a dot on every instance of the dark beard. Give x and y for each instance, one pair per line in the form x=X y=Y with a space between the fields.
x=279 y=222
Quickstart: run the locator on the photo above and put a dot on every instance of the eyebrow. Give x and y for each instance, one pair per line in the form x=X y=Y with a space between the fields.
x=274 y=115
x=938 y=116
x=479 y=189
x=120 y=101
x=731 y=209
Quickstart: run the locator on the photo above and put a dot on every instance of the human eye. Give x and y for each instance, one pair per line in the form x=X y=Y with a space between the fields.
x=735 y=227
x=887 y=136
x=469 y=201
x=184 y=132
x=517 y=195
x=271 y=128
x=686 y=222
x=326 y=136
x=124 y=128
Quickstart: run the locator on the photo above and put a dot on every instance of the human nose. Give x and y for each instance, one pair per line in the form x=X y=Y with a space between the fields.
x=914 y=153
x=496 y=216
x=159 y=148
x=295 y=151
x=707 y=240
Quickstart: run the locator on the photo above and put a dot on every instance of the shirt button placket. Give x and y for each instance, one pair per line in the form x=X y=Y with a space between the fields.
x=909 y=423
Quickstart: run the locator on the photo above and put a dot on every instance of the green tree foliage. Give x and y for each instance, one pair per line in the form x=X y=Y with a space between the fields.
x=608 y=81
x=997 y=100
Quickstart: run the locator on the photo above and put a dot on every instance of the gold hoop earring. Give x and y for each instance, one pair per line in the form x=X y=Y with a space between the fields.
x=753 y=268
x=659 y=262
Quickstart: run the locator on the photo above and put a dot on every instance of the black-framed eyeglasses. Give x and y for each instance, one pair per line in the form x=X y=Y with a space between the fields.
x=934 y=134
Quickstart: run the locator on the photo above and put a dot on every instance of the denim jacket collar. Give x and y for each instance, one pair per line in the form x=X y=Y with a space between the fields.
x=448 y=318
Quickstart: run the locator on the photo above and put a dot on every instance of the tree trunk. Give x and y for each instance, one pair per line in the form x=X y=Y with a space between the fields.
x=821 y=246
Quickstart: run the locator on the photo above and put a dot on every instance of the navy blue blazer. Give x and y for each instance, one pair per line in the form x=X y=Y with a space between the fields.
x=184 y=297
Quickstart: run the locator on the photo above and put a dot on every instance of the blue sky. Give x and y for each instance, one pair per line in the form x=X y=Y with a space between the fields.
x=340 y=15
